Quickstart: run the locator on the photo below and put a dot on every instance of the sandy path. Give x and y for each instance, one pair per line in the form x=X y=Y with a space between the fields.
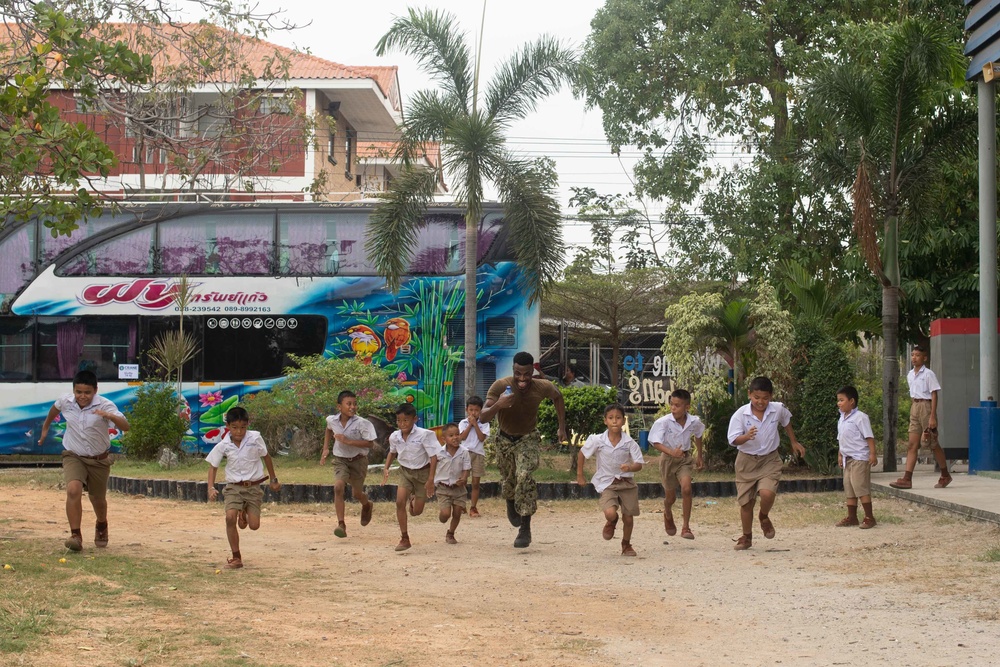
x=814 y=595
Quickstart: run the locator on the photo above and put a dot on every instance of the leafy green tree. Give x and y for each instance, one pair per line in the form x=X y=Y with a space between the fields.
x=47 y=160
x=302 y=401
x=814 y=299
x=610 y=306
x=893 y=105
x=827 y=372
x=470 y=129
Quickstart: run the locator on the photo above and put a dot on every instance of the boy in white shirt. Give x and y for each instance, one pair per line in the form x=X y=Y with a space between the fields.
x=417 y=449
x=924 y=388
x=473 y=435
x=453 y=466
x=353 y=437
x=856 y=456
x=672 y=435
x=243 y=450
x=618 y=459
x=753 y=429
x=85 y=458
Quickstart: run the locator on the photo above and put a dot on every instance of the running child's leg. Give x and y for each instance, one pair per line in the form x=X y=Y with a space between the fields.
x=233 y=532
x=338 y=500
x=474 y=499
x=402 y=498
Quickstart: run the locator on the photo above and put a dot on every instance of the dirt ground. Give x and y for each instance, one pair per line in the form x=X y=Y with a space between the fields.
x=914 y=590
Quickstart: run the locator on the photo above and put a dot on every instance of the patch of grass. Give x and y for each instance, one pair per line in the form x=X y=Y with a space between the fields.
x=21 y=625
x=991 y=555
x=30 y=477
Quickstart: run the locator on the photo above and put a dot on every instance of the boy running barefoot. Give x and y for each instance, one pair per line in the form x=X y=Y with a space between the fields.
x=474 y=434
x=453 y=466
x=243 y=450
x=672 y=435
x=753 y=429
x=618 y=459
x=856 y=456
x=353 y=438
x=417 y=450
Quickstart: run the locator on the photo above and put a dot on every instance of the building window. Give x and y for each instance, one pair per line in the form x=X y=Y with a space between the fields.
x=350 y=145
x=274 y=104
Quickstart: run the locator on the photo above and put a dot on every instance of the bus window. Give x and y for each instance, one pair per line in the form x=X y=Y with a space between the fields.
x=250 y=348
x=323 y=244
x=17 y=266
x=53 y=246
x=70 y=344
x=229 y=245
x=126 y=255
x=440 y=246
x=15 y=349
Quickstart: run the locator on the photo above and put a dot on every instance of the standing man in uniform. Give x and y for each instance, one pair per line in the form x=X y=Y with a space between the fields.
x=514 y=401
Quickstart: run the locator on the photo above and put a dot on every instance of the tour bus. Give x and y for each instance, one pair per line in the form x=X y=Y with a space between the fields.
x=268 y=280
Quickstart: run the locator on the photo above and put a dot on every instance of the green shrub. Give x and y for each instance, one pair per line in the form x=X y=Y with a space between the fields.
x=828 y=371
x=716 y=415
x=154 y=422
x=868 y=380
x=294 y=411
x=584 y=415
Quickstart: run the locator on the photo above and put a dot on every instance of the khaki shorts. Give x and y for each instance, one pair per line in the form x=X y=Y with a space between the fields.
x=622 y=493
x=673 y=469
x=414 y=480
x=352 y=471
x=478 y=464
x=920 y=416
x=91 y=472
x=857 y=478
x=755 y=474
x=450 y=496
x=242 y=498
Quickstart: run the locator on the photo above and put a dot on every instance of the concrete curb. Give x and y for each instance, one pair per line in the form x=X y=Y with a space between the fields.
x=963 y=510
x=323 y=493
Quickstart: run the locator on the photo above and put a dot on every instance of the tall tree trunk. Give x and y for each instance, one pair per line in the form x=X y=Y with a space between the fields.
x=471 y=255
x=890 y=375
x=890 y=337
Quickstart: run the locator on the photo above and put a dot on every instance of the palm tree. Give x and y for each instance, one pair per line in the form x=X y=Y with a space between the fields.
x=816 y=300
x=470 y=132
x=894 y=103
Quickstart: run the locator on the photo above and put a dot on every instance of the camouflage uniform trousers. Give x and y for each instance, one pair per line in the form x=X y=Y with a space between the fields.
x=518 y=461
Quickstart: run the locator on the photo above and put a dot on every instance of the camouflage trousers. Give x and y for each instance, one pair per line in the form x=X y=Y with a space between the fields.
x=517 y=460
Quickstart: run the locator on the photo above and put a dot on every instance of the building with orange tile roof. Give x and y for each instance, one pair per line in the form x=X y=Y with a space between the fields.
x=271 y=156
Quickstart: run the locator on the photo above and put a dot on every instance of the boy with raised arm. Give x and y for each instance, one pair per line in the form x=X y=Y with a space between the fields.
x=417 y=449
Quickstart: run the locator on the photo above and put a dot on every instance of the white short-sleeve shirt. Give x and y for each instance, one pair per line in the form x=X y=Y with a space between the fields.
x=668 y=431
x=776 y=416
x=416 y=450
x=922 y=384
x=86 y=433
x=243 y=461
x=357 y=428
x=450 y=467
x=610 y=458
x=472 y=441
x=853 y=431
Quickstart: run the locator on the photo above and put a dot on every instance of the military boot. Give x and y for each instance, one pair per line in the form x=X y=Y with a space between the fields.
x=523 y=538
x=512 y=515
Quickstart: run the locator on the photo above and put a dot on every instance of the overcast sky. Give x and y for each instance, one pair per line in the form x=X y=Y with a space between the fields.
x=346 y=32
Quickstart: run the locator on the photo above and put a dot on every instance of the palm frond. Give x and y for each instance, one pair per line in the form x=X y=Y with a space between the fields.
x=534 y=224
x=439 y=47
x=395 y=222
x=474 y=153
x=536 y=71
x=429 y=118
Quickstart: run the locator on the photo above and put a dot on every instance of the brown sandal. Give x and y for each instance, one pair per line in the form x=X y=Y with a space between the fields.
x=449 y=537
x=846 y=521
x=404 y=543
x=766 y=526
x=473 y=513
x=687 y=534
x=366 y=513
x=745 y=542
x=668 y=523
x=943 y=482
x=869 y=522
x=627 y=549
x=234 y=563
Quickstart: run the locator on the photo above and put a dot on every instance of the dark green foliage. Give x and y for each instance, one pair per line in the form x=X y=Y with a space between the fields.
x=584 y=415
x=718 y=452
x=154 y=422
x=827 y=372
x=294 y=410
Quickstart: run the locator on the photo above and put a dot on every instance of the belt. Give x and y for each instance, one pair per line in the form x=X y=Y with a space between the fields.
x=353 y=458
x=514 y=438
x=619 y=480
x=920 y=400
x=423 y=467
x=249 y=483
x=100 y=457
